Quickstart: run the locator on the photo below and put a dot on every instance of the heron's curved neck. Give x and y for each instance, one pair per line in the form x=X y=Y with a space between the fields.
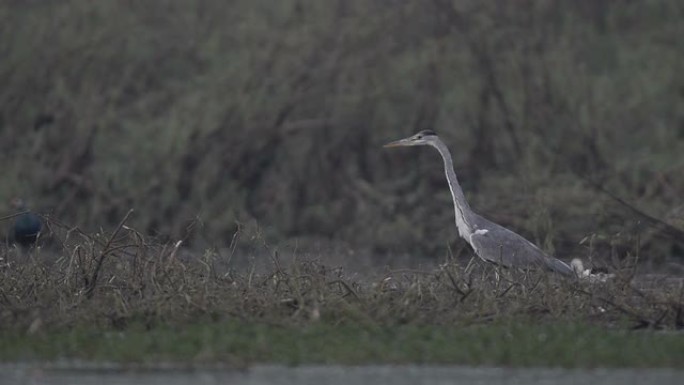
x=464 y=215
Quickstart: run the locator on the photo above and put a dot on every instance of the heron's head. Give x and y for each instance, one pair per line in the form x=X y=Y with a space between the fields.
x=422 y=138
x=18 y=204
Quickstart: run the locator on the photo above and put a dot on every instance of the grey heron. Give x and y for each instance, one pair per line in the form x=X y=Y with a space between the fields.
x=490 y=241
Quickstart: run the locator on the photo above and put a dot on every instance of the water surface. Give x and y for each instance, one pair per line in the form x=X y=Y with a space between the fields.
x=38 y=374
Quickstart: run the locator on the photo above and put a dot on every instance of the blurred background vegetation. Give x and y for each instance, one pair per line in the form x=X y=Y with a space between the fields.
x=209 y=116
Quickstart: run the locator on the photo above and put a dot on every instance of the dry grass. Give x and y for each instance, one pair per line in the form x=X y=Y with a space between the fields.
x=112 y=281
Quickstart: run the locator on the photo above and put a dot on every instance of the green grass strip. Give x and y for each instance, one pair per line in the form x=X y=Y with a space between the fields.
x=240 y=343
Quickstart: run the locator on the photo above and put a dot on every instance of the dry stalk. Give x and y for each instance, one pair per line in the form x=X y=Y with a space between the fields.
x=105 y=251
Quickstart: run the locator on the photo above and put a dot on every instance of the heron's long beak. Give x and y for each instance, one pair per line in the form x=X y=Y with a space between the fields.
x=398 y=143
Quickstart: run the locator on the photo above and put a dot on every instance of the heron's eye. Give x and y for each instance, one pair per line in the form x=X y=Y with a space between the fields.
x=419 y=137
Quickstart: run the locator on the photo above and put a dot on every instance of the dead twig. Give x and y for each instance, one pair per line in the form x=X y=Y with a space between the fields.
x=105 y=251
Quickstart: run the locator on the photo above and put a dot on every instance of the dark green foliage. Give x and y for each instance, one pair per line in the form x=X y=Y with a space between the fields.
x=271 y=115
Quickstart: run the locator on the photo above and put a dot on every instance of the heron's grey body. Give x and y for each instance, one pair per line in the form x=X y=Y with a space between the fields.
x=495 y=243
x=490 y=241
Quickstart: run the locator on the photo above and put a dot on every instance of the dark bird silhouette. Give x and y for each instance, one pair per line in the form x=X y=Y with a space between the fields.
x=26 y=226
